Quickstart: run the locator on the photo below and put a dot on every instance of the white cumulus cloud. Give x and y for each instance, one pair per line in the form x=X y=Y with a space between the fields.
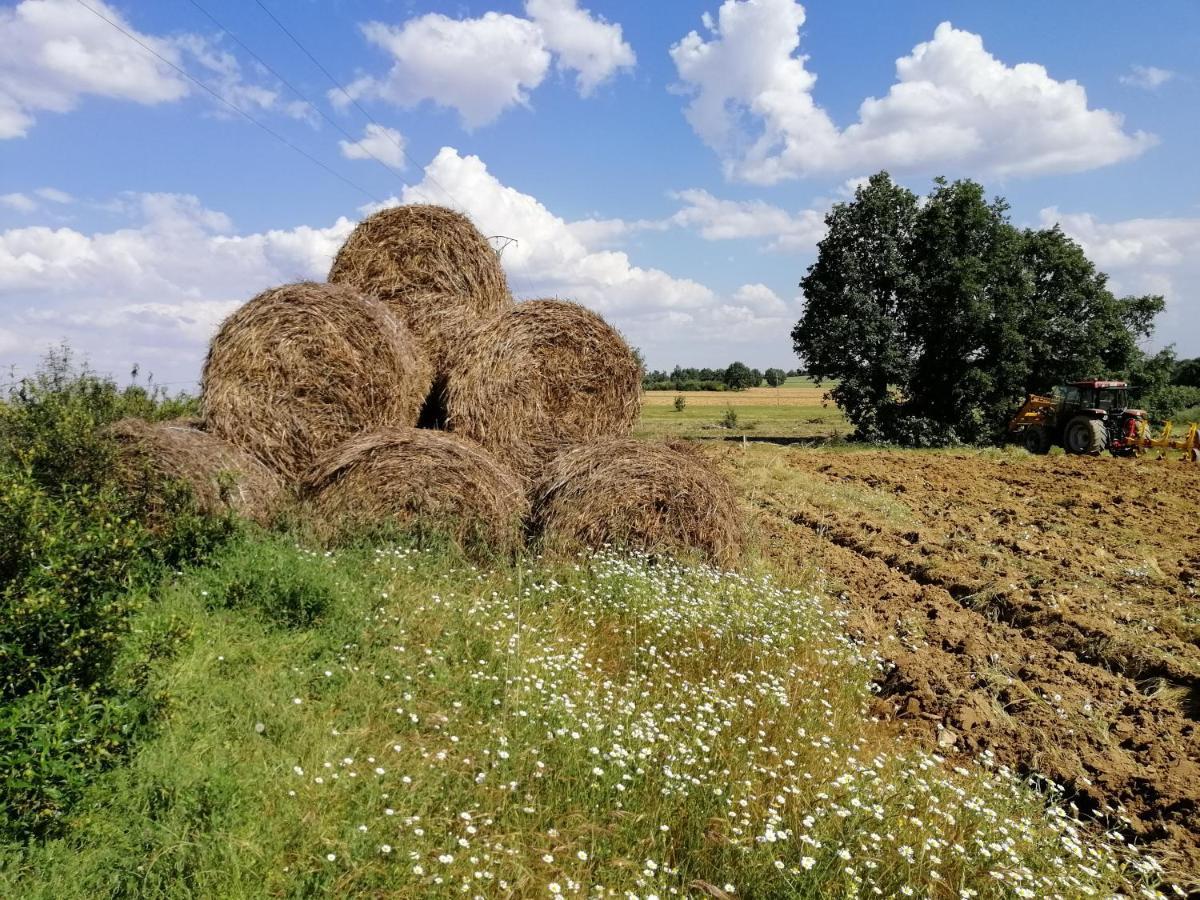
x=20 y=202
x=151 y=292
x=378 y=142
x=53 y=53
x=479 y=67
x=592 y=47
x=1146 y=255
x=27 y=203
x=483 y=66
x=54 y=195
x=56 y=51
x=723 y=220
x=953 y=104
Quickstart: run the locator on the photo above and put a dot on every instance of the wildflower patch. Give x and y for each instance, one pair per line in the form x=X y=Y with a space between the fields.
x=616 y=727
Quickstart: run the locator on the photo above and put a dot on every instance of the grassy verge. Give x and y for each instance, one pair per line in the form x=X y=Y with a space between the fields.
x=385 y=721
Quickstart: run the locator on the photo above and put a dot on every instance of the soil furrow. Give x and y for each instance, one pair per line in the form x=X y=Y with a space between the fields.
x=1013 y=624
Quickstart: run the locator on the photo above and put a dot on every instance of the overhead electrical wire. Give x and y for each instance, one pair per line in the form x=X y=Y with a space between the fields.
x=313 y=106
x=229 y=103
x=386 y=133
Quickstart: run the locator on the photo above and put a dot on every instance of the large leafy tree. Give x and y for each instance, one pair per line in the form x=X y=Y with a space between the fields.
x=853 y=328
x=938 y=316
x=963 y=311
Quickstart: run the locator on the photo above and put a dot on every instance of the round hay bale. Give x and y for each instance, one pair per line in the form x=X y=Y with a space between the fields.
x=638 y=496
x=431 y=266
x=541 y=377
x=302 y=367
x=154 y=457
x=413 y=477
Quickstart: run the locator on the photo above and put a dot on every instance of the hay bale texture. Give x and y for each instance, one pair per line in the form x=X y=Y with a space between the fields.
x=431 y=266
x=639 y=496
x=154 y=457
x=301 y=368
x=541 y=377
x=417 y=478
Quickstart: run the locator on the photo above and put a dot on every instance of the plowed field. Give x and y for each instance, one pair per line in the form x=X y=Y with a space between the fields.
x=1044 y=609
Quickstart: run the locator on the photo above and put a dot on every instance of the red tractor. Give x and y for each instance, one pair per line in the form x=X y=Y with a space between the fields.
x=1082 y=417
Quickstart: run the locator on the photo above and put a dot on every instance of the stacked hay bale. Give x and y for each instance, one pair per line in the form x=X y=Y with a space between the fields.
x=417 y=478
x=318 y=388
x=542 y=377
x=432 y=267
x=154 y=457
x=303 y=367
x=637 y=495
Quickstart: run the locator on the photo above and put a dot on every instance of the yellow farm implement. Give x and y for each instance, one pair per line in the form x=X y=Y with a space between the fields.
x=1144 y=440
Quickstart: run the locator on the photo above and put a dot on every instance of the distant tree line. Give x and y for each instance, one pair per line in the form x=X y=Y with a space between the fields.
x=937 y=315
x=736 y=376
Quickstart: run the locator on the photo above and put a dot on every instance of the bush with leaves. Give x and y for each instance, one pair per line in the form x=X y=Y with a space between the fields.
x=1186 y=373
x=1175 y=402
x=740 y=376
x=775 y=377
x=76 y=562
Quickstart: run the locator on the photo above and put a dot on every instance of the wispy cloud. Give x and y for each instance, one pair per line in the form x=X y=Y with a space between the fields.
x=1147 y=77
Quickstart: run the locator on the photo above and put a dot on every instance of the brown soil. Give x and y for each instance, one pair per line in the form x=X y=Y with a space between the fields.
x=1045 y=609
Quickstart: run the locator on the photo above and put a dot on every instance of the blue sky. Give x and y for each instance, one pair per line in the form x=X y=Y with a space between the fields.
x=667 y=164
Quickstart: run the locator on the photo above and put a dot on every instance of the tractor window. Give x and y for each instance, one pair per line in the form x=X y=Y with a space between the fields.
x=1111 y=399
x=1067 y=395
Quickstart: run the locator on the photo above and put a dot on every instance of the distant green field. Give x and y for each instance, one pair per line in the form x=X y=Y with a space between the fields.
x=797 y=409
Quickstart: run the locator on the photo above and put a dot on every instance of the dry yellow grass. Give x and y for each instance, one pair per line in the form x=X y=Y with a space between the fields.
x=760 y=396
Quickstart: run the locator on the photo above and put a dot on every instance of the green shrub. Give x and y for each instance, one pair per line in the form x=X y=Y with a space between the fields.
x=1184 y=416
x=730 y=419
x=1172 y=402
x=51 y=422
x=76 y=563
x=66 y=569
x=680 y=403
x=53 y=743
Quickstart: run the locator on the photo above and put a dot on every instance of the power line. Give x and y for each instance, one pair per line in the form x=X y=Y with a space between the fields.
x=227 y=102
x=316 y=62
x=295 y=90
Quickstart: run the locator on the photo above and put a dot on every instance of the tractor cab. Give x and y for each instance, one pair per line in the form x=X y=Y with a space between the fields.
x=1099 y=397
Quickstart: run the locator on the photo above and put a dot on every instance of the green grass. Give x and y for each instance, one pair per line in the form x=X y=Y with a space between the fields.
x=383 y=721
x=791 y=421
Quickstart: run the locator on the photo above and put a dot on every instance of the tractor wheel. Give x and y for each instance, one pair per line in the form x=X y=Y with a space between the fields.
x=1083 y=435
x=1037 y=440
